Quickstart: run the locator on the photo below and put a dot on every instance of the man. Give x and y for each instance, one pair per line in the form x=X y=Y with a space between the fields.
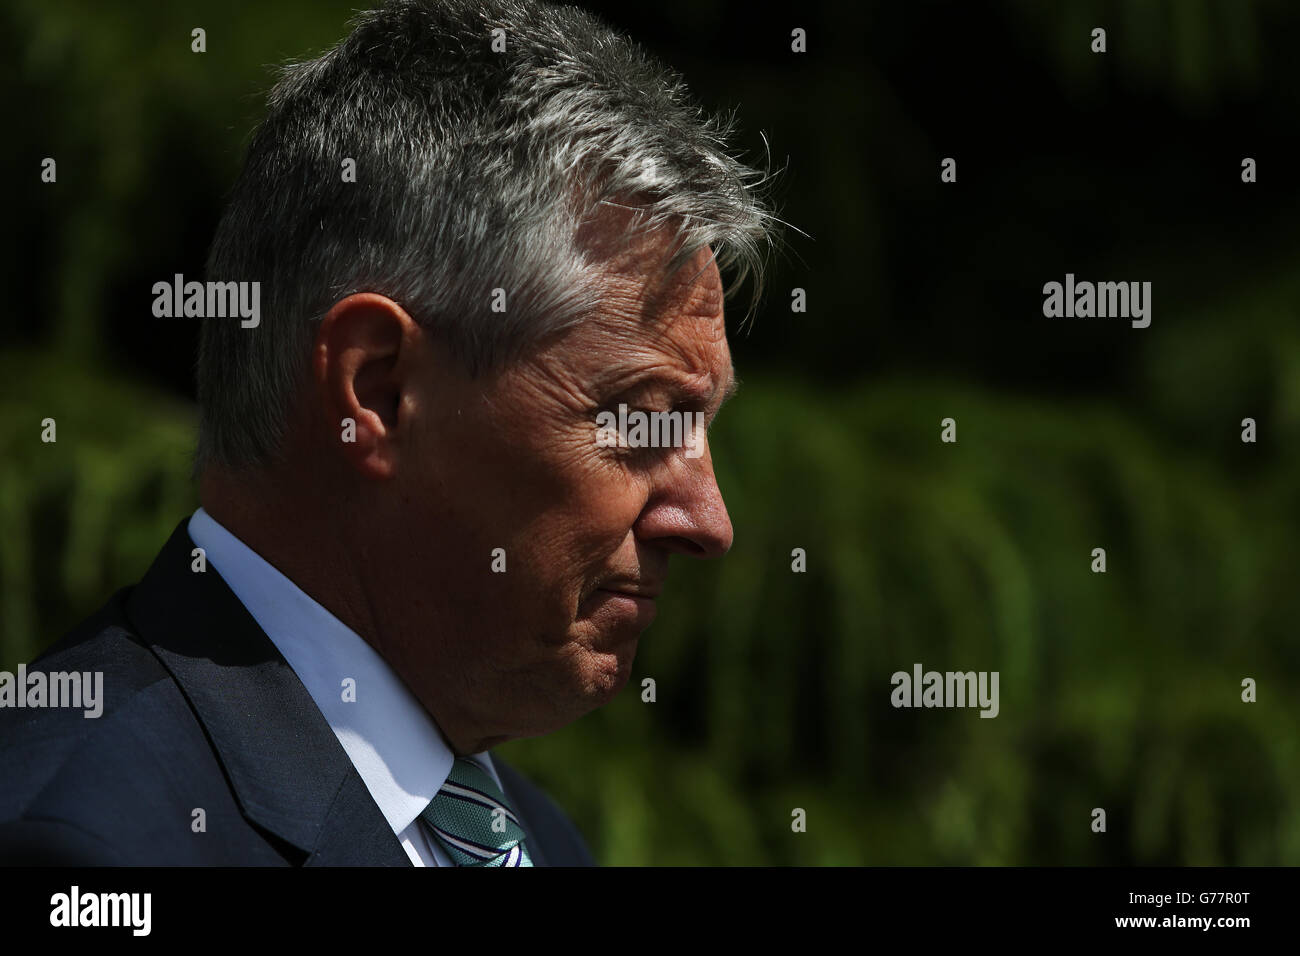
x=476 y=228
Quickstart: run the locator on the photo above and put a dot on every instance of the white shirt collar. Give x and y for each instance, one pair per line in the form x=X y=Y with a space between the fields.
x=390 y=738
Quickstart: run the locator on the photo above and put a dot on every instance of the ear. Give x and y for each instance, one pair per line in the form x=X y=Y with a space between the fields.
x=362 y=362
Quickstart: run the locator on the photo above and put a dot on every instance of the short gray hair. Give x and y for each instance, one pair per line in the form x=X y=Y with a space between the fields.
x=475 y=170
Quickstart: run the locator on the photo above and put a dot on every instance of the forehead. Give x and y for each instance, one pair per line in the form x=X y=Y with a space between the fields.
x=652 y=322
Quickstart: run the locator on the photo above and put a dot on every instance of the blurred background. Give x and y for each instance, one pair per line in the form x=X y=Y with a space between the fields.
x=1119 y=690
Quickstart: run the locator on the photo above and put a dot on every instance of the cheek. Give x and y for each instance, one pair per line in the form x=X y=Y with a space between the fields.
x=608 y=505
x=565 y=550
x=598 y=492
x=551 y=498
x=571 y=543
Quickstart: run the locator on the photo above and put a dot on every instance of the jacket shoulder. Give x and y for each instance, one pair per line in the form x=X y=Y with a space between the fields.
x=37 y=739
x=116 y=777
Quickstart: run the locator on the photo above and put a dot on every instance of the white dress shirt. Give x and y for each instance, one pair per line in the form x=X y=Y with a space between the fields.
x=389 y=737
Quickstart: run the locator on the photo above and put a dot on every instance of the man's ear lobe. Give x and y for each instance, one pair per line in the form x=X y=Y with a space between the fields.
x=360 y=364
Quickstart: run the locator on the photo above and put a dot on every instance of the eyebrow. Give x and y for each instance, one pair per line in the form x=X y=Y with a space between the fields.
x=678 y=385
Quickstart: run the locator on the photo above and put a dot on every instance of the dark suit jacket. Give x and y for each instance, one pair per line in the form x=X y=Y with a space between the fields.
x=201 y=711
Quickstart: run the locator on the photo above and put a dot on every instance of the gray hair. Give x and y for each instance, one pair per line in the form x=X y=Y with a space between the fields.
x=475 y=171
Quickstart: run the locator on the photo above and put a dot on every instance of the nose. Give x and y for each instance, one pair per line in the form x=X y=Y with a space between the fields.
x=685 y=512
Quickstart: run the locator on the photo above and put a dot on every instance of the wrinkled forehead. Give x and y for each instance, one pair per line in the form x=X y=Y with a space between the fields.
x=633 y=264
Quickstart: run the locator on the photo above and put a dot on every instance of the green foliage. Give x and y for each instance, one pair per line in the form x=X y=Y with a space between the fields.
x=85 y=514
x=134 y=110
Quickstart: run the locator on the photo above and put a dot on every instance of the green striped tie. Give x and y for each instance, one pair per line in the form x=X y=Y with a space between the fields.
x=473 y=822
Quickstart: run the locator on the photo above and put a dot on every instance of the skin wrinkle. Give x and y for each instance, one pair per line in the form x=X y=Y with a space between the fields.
x=446 y=467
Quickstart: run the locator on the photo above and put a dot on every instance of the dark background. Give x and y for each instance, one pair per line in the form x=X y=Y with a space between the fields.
x=1119 y=690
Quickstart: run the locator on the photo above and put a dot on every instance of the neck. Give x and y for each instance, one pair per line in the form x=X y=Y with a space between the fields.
x=262 y=510
x=269 y=513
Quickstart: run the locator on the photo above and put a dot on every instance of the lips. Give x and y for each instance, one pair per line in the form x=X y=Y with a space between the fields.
x=648 y=594
x=621 y=608
x=636 y=586
x=622 y=604
x=643 y=605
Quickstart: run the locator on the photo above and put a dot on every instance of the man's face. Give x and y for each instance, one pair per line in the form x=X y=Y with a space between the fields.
x=585 y=531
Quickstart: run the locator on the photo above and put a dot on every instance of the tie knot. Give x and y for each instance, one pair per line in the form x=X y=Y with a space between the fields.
x=471 y=819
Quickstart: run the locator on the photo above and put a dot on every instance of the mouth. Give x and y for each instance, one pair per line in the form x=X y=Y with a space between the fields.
x=642 y=599
x=637 y=591
x=622 y=606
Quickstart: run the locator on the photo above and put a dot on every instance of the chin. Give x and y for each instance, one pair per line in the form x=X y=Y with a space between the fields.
x=596 y=686
x=609 y=674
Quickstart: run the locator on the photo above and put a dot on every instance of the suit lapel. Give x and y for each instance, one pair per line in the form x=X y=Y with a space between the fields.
x=285 y=765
